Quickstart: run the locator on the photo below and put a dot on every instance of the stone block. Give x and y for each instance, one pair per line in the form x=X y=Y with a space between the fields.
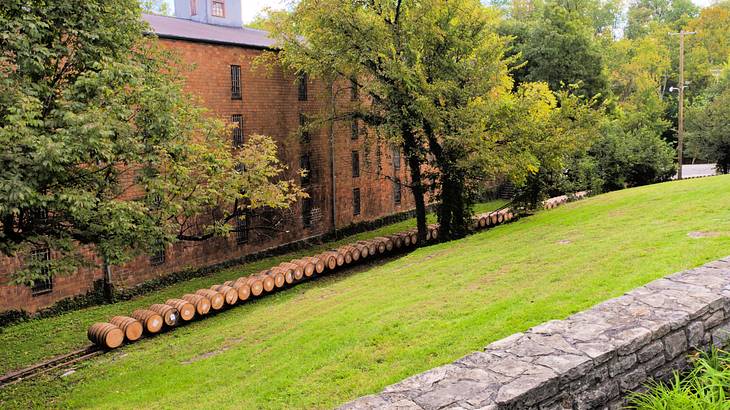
x=675 y=344
x=650 y=351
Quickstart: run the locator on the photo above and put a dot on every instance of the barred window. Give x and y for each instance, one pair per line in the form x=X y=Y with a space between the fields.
x=235 y=82
x=307 y=212
x=355 y=164
x=158 y=257
x=356 y=201
x=303 y=124
x=42 y=256
x=242 y=228
x=218 y=9
x=237 y=119
x=396 y=158
x=305 y=165
x=302 y=82
x=354 y=89
x=396 y=191
x=355 y=132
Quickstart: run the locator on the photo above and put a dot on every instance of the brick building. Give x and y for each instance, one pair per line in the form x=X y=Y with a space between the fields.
x=349 y=181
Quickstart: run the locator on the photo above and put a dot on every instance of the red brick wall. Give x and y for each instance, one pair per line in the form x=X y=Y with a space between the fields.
x=269 y=106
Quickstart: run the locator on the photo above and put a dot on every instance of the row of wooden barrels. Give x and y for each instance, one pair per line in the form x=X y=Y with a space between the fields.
x=177 y=311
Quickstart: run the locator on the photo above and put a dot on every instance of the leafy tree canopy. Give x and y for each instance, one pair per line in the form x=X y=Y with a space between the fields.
x=103 y=148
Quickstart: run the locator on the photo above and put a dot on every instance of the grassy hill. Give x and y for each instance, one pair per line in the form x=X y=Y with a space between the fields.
x=328 y=341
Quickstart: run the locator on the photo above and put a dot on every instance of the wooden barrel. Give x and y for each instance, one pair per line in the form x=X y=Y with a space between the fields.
x=169 y=314
x=354 y=252
x=397 y=241
x=215 y=298
x=493 y=219
x=372 y=247
x=267 y=280
x=482 y=221
x=131 y=327
x=106 y=335
x=307 y=267
x=435 y=233
x=330 y=260
x=230 y=295
x=296 y=270
x=388 y=243
x=346 y=254
x=406 y=239
x=414 y=238
x=243 y=289
x=186 y=309
x=151 y=321
x=364 y=251
x=279 y=276
x=339 y=258
x=288 y=273
x=254 y=283
x=319 y=264
x=201 y=303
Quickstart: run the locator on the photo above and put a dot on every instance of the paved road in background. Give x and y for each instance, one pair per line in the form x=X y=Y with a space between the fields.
x=697 y=170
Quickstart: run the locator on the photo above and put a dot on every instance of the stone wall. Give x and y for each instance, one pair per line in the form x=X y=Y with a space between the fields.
x=590 y=360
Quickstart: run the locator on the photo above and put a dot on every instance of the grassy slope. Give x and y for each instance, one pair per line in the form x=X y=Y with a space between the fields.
x=331 y=340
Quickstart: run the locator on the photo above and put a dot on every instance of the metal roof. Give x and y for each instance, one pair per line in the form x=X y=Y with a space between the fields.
x=182 y=29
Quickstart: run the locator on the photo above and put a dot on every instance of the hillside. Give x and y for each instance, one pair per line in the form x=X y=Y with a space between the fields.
x=328 y=341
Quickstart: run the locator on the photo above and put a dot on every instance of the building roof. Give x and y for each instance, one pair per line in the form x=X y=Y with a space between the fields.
x=182 y=29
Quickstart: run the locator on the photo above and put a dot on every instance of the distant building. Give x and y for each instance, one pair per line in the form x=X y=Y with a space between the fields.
x=349 y=182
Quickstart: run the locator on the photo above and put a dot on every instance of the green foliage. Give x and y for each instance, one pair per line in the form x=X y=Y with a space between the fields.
x=705 y=387
x=103 y=148
x=645 y=14
x=156 y=7
x=557 y=45
x=709 y=124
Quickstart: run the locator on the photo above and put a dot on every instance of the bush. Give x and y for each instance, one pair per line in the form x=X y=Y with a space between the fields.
x=706 y=386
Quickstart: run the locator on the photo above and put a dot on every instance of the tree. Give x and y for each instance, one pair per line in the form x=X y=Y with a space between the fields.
x=102 y=147
x=156 y=7
x=709 y=123
x=376 y=47
x=645 y=14
x=557 y=46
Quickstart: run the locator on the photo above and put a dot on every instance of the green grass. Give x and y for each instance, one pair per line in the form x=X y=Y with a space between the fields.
x=328 y=341
x=705 y=387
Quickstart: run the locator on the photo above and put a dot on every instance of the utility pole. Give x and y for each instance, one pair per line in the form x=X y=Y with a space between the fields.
x=680 y=125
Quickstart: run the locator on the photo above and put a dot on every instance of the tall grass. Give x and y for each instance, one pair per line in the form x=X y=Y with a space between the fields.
x=706 y=386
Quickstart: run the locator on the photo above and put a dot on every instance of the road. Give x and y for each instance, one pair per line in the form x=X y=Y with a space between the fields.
x=697 y=170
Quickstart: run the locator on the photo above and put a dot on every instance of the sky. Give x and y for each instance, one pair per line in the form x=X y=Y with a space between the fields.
x=251 y=8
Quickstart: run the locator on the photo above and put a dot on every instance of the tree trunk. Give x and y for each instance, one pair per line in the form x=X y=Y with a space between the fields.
x=411 y=150
x=107 y=281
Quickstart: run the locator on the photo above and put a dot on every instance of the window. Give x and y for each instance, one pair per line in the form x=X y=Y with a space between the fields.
x=41 y=257
x=235 y=82
x=307 y=212
x=158 y=258
x=302 y=82
x=306 y=166
x=218 y=9
x=237 y=119
x=354 y=89
x=193 y=7
x=356 y=201
x=303 y=124
x=242 y=227
x=355 y=132
x=355 y=164
x=396 y=191
x=396 y=158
